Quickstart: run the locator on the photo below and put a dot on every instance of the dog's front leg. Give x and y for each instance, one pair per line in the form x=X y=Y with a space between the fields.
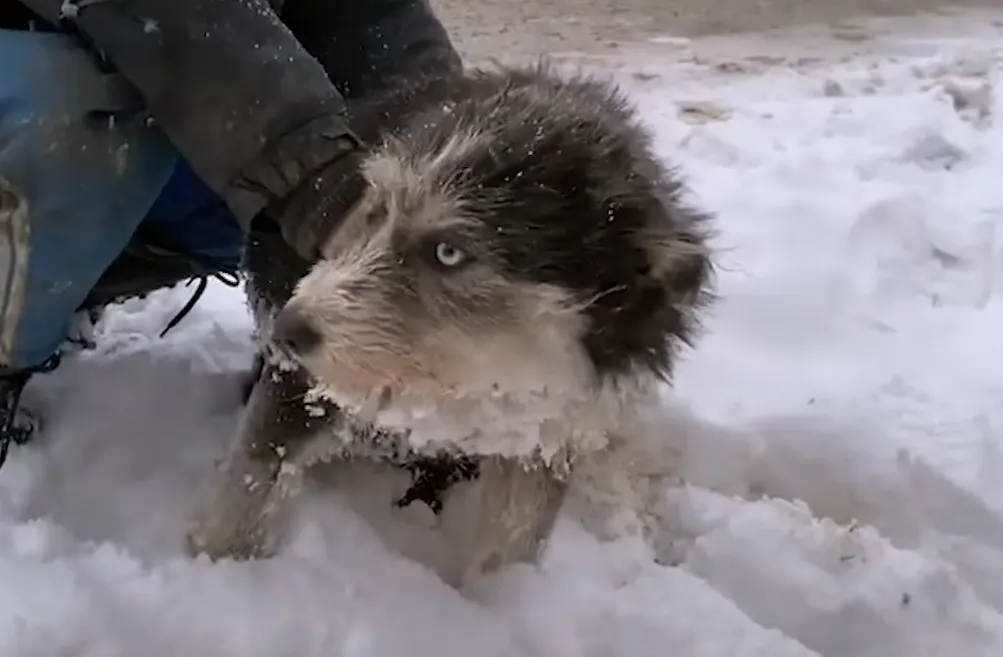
x=247 y=386
x=240 y=518
x=507 y=515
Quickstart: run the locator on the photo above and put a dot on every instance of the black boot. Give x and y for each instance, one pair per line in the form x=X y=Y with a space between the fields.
x=17 y=426
x=145 y=266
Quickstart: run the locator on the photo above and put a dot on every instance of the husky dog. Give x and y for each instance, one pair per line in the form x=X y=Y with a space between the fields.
x=514 y=281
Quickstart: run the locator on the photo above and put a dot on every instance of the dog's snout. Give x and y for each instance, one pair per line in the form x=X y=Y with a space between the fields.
x=295 y=332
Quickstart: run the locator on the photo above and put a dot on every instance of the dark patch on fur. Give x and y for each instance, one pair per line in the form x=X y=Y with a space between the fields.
x=251 y=379
x=433 y=476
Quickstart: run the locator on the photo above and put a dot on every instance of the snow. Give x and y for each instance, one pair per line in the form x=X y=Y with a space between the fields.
x=837 y=429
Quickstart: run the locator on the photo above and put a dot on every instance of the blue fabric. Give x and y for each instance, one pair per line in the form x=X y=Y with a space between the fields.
x=85 y=177
x=193 y=219
x=75 y=186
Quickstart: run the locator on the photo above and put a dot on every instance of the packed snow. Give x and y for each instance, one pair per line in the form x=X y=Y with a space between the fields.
x=839 y=429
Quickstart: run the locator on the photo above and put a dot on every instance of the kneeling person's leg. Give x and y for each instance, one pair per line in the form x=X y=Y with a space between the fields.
x=79 y=169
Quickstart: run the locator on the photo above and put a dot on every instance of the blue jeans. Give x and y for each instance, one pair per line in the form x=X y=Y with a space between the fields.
x=79 y=172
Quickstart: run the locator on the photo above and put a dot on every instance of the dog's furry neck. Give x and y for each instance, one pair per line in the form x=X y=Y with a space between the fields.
x=560 y=418
x=553 y=426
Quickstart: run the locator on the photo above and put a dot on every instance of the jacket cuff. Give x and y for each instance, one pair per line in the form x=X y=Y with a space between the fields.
x=285 y=164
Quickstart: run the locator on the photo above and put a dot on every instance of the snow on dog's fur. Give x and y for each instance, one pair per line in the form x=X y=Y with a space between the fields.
x=512 y=286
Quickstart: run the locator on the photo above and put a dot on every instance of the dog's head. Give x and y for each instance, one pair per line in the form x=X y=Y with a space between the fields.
x=523 y=240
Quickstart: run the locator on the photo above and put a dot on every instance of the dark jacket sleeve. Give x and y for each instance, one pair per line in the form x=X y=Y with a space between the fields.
x=364 y=45
x=253 y=112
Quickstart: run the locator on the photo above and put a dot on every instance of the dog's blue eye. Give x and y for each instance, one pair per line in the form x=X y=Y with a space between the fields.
x=449 y=256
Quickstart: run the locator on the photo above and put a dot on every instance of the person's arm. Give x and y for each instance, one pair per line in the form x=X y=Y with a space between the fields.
x=365 y=45
x=252 y=111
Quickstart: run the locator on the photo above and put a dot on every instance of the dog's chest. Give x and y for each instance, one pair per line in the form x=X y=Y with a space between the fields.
x=536 y=429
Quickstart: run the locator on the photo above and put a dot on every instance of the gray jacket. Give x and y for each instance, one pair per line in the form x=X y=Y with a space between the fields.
x=253 y=93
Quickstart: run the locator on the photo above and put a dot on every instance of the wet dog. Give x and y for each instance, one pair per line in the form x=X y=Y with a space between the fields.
x=514 y=282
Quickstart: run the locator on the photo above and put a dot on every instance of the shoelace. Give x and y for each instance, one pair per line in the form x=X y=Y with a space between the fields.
x=227 y=278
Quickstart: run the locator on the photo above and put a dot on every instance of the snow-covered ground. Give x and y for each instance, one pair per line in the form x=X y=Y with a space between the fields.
x=840 y=425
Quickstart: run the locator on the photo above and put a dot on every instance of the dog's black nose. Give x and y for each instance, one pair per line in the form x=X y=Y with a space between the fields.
x=294 y=332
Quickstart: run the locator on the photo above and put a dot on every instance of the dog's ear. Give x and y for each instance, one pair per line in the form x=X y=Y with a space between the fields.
x=678 y=261
x=672 y=284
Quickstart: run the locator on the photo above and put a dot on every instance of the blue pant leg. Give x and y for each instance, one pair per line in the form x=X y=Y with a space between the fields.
x=188 y=217
x=74 y=185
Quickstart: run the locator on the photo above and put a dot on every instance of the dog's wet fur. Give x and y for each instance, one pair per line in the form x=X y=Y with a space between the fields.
x=519 y=270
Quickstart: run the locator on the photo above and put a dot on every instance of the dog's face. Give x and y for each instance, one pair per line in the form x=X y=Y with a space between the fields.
x=420 y=296
x=499 y=258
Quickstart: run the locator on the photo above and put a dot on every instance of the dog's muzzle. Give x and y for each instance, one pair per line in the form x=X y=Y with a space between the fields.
x=295 y=333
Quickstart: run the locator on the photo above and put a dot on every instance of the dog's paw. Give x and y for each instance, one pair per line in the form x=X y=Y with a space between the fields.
x=230 y=524
x=220 y=542
x=243 y=517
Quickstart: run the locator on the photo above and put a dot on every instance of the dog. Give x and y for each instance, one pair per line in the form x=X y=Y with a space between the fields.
x=515 y=280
